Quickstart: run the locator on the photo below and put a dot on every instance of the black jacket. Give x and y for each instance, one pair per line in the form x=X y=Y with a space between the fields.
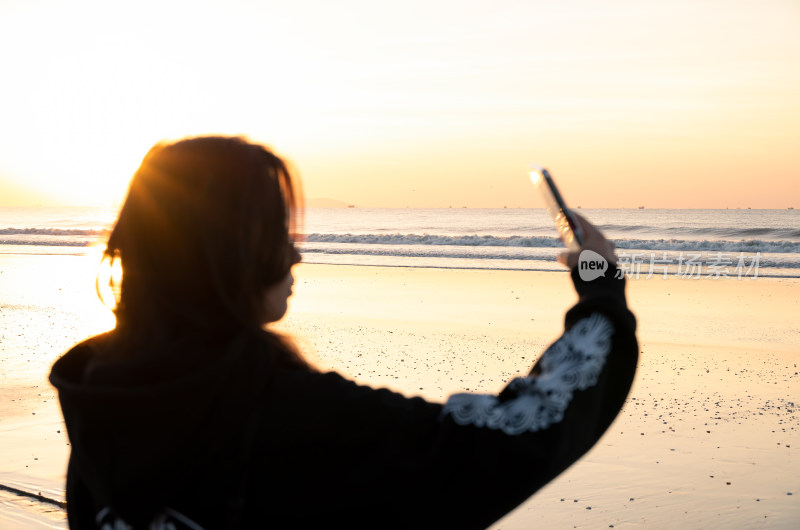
x=229 y=433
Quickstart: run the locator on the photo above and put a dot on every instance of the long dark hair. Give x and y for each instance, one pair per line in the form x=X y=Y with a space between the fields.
x=207 y=225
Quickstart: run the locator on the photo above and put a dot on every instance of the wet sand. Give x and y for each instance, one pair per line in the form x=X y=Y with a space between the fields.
x=708 y=437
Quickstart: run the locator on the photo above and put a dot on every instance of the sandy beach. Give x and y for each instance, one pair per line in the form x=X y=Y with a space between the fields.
x=707 y=439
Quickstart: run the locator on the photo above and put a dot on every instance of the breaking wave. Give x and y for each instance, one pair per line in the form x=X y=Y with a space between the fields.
x=672 y=245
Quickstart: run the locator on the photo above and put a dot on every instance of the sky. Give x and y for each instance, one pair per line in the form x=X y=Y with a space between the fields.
x=680 y=104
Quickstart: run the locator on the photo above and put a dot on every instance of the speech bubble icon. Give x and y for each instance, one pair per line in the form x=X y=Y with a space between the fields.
x=591 y=265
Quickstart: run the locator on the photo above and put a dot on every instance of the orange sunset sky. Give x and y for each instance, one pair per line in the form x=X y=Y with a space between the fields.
x=679 y=104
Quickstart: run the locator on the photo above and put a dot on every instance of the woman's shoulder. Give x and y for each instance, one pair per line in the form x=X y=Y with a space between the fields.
x=115 y=358
x=71 y=367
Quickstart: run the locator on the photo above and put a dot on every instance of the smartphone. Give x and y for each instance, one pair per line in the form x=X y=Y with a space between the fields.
x=568 y=229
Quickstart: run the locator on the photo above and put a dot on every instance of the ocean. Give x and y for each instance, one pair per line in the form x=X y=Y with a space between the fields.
x=742 y=244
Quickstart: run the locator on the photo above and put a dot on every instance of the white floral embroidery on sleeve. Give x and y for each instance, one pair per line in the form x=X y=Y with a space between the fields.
x=572 y=363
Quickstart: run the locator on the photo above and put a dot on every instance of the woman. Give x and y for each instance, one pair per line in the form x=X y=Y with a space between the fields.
x=192 y=413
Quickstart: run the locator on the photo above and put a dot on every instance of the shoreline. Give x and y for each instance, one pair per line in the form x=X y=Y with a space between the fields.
x=555 y=269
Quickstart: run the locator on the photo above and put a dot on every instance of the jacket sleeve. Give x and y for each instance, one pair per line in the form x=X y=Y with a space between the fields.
x=470 y=461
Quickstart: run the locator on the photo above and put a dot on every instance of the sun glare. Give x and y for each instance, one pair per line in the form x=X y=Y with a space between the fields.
x=536 y=174
x=109 y=280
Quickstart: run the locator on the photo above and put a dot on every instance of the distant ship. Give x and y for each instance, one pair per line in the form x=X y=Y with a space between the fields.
x=790 y=208
x=351 y=205
x=641 y=207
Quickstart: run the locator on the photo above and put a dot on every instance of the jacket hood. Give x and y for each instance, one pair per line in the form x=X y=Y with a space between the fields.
x=134 y=424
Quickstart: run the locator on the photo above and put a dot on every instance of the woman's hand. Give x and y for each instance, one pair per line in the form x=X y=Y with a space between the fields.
x=594 y=240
